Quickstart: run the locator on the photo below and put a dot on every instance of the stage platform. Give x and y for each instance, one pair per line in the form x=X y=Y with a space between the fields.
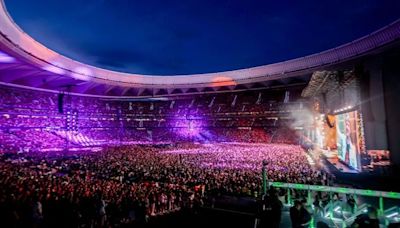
x=332 y=158
x=340 y=166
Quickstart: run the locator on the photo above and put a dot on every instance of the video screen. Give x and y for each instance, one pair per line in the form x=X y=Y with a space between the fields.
x=349 y=139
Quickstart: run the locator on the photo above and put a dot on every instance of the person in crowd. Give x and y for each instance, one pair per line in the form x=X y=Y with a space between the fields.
x=299 y=215
x=351 y=202
x=368 y=220
x=272 y=210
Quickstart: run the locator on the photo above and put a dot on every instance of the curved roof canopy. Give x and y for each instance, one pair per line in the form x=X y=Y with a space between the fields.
x=30 y=63
x=199 y=36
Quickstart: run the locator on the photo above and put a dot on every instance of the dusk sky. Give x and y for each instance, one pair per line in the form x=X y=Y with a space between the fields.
x=185 y=37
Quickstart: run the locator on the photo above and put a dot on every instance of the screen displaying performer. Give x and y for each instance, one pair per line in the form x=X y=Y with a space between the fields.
x=349 y=139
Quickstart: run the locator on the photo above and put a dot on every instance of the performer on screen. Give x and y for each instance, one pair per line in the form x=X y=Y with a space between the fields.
x=348 y=141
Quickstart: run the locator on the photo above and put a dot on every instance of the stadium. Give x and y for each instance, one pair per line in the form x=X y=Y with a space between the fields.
x=310 y=141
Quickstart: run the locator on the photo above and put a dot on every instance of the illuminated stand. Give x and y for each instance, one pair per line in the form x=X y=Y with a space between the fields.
x=333 y=212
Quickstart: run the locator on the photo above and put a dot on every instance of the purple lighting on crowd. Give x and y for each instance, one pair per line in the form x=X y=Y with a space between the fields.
x=189 y=125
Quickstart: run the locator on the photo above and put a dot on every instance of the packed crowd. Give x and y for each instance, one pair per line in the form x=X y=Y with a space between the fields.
x=31 y=120
x=43 y=185
x=254 y=102
x=46 y=139
x=127 y=185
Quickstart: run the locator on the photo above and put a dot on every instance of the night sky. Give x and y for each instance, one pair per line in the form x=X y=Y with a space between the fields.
x=185 y=37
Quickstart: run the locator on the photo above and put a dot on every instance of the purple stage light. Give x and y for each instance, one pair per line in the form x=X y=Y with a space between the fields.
x=4 y=58
x=56 y=68
x=82 y=73
x=189 y=126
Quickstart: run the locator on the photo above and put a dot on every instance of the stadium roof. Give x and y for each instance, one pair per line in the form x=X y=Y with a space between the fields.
x=26 y=62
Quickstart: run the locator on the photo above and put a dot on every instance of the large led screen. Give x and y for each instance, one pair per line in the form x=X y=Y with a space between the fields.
x=349 y=139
